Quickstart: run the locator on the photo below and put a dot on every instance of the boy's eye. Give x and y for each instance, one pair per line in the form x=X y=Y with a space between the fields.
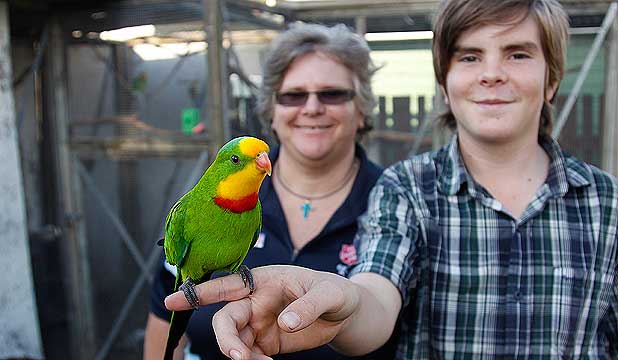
x=520 y=56
x=468 y=58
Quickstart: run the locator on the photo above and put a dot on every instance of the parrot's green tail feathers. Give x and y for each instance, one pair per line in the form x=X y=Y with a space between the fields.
x=178 y=325
x=179 y=321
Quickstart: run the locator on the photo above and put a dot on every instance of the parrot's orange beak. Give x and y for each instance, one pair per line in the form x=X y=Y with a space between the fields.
x=263 y=162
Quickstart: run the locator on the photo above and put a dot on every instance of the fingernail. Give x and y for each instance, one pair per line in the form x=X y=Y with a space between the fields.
x=236 y=355
x=291 y=320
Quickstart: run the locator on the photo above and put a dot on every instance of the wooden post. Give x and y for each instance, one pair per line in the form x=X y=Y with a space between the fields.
x=216 y=82
x=439 y=136
x=19 y=334
x=360 y=23
x=70 y=214
x=375 y=146
x=128 y=180
x=610 y=126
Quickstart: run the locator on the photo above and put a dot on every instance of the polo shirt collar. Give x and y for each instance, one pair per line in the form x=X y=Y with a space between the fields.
x=361 y=182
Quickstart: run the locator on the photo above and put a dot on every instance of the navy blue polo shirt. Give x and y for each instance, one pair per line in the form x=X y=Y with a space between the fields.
x=331 y=250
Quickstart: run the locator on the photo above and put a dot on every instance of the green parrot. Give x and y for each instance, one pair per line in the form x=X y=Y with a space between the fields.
x=213 y=226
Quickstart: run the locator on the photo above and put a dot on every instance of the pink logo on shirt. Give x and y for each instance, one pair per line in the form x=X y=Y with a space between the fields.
x=347 y=255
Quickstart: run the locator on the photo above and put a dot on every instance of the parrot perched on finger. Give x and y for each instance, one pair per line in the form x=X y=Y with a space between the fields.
x=213 y=226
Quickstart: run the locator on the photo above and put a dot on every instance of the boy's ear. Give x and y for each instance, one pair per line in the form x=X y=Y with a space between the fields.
x=551 y=91
x=444 y=95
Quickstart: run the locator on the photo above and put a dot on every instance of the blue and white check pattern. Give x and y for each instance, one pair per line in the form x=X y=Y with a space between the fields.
x=477 y=283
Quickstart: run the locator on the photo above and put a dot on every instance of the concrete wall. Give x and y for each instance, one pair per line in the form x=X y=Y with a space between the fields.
x=19 y=334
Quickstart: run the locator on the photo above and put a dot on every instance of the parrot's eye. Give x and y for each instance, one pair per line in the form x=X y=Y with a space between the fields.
x=235 y=159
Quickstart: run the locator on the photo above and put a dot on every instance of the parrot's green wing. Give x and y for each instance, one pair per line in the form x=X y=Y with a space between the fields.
x=256 y=235
x=176 y=244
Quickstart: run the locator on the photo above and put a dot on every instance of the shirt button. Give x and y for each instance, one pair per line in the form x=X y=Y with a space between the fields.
x=517 y=296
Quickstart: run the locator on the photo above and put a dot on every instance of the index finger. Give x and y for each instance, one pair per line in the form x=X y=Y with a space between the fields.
x=227 y=288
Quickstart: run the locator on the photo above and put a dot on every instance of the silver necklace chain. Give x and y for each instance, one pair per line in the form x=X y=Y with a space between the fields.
x=307 y=207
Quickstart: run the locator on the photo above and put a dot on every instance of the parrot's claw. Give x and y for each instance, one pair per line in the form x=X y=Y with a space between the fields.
x=188 y=288
x=247 y=278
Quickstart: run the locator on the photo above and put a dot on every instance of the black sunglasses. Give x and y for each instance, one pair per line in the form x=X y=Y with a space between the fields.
x=326 y=97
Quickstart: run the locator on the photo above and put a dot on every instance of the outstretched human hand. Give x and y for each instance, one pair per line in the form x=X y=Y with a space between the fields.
x=292 y=309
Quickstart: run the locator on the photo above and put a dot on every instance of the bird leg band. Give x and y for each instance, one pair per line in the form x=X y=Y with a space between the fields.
x=247 y=278
x=188 y=288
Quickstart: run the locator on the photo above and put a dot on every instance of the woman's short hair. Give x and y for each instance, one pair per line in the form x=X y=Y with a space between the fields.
x=456 y=16
x=338 y=42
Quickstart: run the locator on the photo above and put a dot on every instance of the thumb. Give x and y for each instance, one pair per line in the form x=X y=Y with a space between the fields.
x=322 y=298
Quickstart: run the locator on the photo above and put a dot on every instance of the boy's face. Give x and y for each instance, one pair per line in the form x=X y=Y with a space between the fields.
x=497 y=82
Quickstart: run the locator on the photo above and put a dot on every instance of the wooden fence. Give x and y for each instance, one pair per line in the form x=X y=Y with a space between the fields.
x=582 y=135
x=397 y=132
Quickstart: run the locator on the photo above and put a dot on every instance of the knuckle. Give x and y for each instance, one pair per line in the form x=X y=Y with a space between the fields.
x=309 y=307
x=221 y=290
x=217 y=318
x=337 y=296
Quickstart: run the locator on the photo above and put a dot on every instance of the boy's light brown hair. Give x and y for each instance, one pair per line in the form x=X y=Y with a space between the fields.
x=456 y=16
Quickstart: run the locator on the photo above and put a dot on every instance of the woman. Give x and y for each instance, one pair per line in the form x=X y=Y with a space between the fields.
x=316 y=96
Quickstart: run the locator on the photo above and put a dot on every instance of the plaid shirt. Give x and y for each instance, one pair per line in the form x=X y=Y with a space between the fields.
x=477 y=283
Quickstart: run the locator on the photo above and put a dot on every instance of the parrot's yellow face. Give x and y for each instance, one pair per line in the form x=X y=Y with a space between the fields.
x=251 y=146
x=251 y=158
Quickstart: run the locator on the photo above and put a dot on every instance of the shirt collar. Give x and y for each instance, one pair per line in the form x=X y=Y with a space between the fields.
x=454 y=174
x=365 y=179
x=353 y=206
x=564 y=169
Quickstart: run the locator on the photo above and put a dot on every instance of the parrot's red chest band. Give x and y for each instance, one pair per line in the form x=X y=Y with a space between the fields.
x=240 y=205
